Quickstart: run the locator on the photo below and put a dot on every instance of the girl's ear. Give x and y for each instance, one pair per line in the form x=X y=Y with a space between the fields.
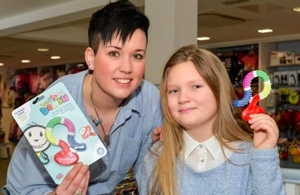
x=89 y=58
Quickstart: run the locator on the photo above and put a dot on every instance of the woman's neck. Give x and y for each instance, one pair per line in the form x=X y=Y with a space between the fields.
x=102 y=101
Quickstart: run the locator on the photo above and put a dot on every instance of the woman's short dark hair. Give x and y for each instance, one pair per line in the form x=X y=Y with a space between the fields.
x=119 y=18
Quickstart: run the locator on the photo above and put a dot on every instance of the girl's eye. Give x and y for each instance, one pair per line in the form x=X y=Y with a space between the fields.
x=172 y=91
x=138 y=56
x=113 y=53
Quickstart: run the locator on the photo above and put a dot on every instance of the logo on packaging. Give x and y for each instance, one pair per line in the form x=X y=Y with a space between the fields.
x=53 y=102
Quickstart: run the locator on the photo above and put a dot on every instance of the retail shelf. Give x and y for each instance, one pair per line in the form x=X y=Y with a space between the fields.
x=283 y=67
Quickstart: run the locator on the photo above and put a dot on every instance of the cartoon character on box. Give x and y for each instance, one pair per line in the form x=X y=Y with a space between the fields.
x=294 y=150
x=283 y=149
x=36 y=137
x=284 y=95
x=293 y=97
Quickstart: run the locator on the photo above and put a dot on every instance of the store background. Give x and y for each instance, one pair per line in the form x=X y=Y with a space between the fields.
x=61 y=26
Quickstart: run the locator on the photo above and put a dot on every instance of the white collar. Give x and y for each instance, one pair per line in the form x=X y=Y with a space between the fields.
x=212 y=145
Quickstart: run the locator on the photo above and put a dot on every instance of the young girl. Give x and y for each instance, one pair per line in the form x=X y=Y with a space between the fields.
x=207 y=148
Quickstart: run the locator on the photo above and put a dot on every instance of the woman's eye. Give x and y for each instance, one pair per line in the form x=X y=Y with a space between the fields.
x=138 y=56
x=196 y=86
x=113 y=53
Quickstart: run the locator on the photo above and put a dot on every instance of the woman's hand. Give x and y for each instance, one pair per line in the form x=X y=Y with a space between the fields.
x=265 y=129
x=76 y=181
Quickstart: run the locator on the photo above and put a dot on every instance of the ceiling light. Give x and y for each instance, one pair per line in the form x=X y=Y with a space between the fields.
x=25 y=61
x=43 y=49
x=55 y=57
x=265 y=31
x=1 y=64
x=296 y=9
x=203 y=38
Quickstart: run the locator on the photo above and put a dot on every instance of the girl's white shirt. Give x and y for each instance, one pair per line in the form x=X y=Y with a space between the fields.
x=204 y=156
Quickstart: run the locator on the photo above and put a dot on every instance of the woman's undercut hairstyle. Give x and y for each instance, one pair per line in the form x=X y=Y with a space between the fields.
x=120 y=18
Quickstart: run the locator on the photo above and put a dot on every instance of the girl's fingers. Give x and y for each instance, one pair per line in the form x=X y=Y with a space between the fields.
x=263 y=121
x=265 y=129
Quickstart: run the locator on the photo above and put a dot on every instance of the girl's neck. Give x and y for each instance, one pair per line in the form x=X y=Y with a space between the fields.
x=200 y=135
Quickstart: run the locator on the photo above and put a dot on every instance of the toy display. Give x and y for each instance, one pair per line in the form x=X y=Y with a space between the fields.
x=58 y=131
x=283 y=149
x=238 y=61
x=248 y=99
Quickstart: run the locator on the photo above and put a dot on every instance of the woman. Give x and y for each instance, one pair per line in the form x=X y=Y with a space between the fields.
x=120 y=105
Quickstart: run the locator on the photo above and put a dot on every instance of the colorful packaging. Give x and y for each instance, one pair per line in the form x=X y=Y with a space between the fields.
x=58 y=131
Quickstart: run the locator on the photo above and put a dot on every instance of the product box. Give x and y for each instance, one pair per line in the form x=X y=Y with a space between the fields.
x=286 y=78
x=58 y=131
x=293 y=77
x=281 y=57
x=297 y=59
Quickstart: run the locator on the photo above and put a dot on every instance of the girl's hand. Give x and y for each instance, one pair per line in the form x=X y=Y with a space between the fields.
x=75 y=182
x=157 y=134
x=265 y=129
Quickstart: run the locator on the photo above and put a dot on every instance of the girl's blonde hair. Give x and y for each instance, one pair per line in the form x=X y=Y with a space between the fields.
x=228 y=126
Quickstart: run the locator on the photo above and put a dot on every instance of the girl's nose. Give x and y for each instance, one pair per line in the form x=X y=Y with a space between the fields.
x=183 y=97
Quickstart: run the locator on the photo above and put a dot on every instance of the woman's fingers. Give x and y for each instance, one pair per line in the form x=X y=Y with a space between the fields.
x=75 y=181
x=85 y=183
